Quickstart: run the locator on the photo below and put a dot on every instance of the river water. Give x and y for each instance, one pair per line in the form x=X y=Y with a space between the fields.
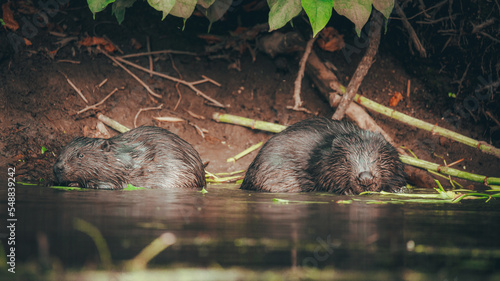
x=228 y=227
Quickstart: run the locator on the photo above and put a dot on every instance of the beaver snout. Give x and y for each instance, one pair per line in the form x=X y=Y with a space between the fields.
x=59 y=171
x=365 y=179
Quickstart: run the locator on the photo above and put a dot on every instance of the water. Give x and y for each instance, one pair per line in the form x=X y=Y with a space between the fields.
x=228 y=227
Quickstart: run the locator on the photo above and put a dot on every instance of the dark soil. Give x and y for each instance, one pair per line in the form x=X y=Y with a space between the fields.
x=39 y=108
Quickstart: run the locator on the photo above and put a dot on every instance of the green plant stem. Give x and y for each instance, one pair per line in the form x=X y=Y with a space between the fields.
x=435 y=130
x=151 y=251
x=448 y=171
x=245 y=152
x=95 y=234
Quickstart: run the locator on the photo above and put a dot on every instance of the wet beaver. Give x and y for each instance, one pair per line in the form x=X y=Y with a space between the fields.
x=320 y=154
x=148 y=157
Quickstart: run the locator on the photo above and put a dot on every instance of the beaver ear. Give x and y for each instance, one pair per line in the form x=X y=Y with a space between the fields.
x=106 y=146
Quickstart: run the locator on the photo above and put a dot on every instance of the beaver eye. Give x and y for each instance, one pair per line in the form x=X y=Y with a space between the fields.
x=80 y=155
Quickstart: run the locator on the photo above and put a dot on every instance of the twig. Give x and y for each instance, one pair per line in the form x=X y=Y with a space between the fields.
x=145 y=109
x=408 y=87
x=493 y=118
x=207 y=80
x=411 y=31
x=298 y=81
x=451 y=18
x=195 y=115
x=102 y=83
x=489 y=87
x=171 y=119
x=191 y=85
x=97 y=104
x=198 y=129
x=176 y=84
x=428 y=9
x=116 y=46
x=489 y=36
x=328 y=85
x=70 y=61
x=477 y=28
x=462 y=79
x=112 y=123
x=157 y=53
x=247 y=122
x=75 y=88
x=150 y=58
x=115 y=60
x=363 y=67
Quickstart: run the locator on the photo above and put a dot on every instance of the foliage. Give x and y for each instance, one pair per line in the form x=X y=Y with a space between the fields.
x=281 y=12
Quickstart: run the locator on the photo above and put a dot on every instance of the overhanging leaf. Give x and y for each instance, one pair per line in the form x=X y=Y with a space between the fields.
x=384 y=6
x=282 y=11
x=119 y=9
x=164 y=6
x=183 y=8
x=216 y=10
x=96 y=6
x=207 y=3
x=357 y=11
x=319 y=13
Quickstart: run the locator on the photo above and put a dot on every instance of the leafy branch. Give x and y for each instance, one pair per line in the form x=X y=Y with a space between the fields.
x=281 y=11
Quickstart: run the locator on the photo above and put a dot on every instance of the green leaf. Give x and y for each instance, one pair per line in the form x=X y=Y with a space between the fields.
x=44 y=149
x=207 y=3
x=119 y=9
x=183 y=8
x=384 y=6
x=132 y=187
x=282 y=11
x=216 y=11
x=96 y=6
x=2 y=22
x=319 y=13
x=164 y=6
x=357 y=11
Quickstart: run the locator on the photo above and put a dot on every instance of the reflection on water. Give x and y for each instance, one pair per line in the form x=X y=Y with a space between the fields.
x=231 y=227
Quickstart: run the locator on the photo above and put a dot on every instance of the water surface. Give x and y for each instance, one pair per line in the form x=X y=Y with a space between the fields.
x=228 y=227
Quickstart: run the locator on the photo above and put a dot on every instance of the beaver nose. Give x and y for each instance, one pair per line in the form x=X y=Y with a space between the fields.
x=58 y=169
x=365 y=178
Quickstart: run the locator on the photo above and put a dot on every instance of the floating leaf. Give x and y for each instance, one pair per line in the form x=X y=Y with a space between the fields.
x=164 y=6
x=319 y=13
x=282 y=11
x=357 y=11
x=96 y=6
x=119 y=9
x=183 y=8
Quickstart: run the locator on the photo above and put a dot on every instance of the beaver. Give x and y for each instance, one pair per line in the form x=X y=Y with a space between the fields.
x=320 y=154
x=149 y=157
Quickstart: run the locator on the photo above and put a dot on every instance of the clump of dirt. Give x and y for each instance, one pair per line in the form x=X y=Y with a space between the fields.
x=40 y=108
